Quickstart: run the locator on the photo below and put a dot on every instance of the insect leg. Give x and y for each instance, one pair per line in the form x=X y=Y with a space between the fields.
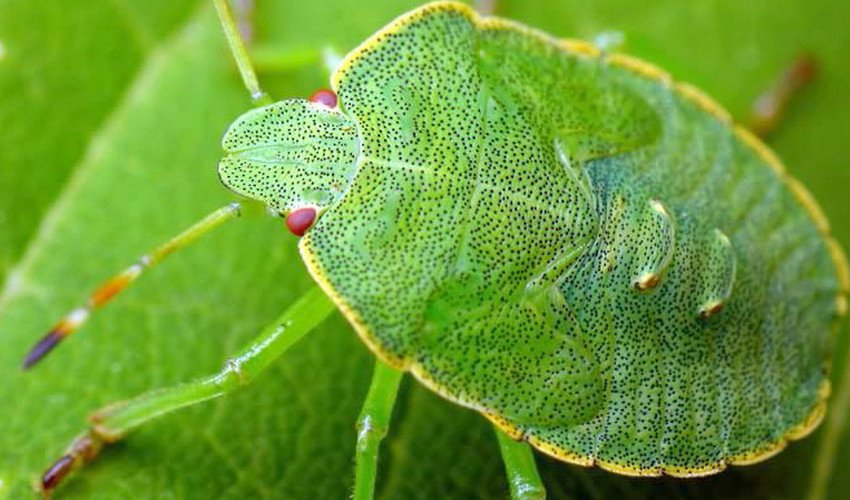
x=115 y=285
x=372 y=426
x=113 y=422
x=523 y=479
x=768 y=108
x=240 y=53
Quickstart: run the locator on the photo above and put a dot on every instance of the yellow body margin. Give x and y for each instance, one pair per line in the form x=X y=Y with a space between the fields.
x=314 y=267
x=305 y=248
x=642 y=68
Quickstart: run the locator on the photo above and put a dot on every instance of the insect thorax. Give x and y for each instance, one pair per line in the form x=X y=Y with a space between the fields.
x=290 y=154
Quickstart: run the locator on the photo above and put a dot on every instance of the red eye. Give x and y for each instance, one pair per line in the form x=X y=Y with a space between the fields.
x=325 y=97
x=300 y=220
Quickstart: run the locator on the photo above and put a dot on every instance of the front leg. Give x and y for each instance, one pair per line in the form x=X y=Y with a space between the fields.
x=113 y=422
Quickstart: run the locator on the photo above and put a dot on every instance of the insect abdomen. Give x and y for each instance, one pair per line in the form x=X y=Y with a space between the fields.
x=723 y=356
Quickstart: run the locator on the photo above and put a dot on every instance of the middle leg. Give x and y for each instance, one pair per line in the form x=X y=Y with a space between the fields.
x=523 y=478
x=372 y=426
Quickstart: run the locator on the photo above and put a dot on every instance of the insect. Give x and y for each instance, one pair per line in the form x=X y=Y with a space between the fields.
x=592 y=255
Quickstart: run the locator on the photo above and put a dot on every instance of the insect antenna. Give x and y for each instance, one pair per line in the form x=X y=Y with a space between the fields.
x=240 y=53
x=113 y=286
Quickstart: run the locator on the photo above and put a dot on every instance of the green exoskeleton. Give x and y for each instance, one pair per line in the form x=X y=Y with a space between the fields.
x=589 y=253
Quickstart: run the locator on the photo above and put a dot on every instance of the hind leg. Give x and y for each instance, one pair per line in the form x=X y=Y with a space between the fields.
x=769 y=108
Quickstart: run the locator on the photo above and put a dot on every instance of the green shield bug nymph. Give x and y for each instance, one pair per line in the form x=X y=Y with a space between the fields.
x=592 y=255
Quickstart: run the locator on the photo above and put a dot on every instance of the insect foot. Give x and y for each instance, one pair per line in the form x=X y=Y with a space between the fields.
x=82 y=451
x=85 y=448
x=657 y=238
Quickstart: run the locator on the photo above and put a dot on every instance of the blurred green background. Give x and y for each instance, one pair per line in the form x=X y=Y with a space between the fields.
x=110 y=116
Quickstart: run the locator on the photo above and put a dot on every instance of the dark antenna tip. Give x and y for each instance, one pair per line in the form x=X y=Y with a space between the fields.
x=42 y=348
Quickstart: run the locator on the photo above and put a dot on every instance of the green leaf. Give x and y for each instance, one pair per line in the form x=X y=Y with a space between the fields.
x=111 y=113
x=52 y=58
